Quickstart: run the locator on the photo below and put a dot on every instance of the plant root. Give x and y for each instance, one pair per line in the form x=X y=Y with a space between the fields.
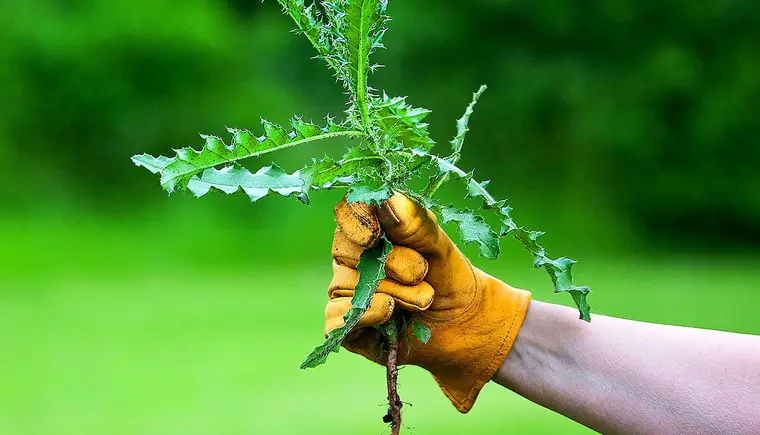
x=394 y=402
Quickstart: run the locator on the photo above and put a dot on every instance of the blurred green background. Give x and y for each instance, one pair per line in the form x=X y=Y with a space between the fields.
x=625 y=129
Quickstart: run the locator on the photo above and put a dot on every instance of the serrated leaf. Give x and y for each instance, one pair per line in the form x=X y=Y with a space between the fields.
x=371 y=270
x=474 y=188
x=234 y=178
x=403 y=122
x=368 y=192
x=176 y=172
x=559 y=270
x=473 y=228
x=153 y=164
x=463 y=125
x=364 y=26
x=328 y=173
x=447 y=166
x=421 y=331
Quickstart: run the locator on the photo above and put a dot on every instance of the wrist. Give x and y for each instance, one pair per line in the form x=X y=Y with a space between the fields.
x=541 y=363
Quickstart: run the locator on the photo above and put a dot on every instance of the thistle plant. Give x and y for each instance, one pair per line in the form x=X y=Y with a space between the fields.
x=391 y=151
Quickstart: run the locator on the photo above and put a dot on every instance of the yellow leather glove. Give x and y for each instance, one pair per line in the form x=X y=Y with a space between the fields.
x=474 y=318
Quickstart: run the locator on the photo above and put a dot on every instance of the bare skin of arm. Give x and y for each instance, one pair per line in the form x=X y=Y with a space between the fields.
x=625 y=377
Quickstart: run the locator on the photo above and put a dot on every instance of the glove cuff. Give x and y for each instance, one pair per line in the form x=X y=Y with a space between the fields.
x=480 y=342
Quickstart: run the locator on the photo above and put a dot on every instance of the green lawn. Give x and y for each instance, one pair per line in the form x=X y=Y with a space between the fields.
x=180 y=350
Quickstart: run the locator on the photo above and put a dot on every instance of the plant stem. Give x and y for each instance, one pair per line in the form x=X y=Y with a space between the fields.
x=438 y=181
x=435 y=184
x=390 y=330
x=394 y=402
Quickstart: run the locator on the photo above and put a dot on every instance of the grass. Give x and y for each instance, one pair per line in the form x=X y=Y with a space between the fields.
x=111 y=336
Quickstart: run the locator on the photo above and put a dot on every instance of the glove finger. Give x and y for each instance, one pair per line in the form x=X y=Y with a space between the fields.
x=409 y=224
x=380 y=311
x=416 y=297
x=358 y=223
x=405 y=265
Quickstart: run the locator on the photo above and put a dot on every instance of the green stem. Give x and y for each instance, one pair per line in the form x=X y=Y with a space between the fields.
x=361 y=80
x=356 y=159
x=332 y=134
x=435 y=184
x=351 y=133
x=439 y=180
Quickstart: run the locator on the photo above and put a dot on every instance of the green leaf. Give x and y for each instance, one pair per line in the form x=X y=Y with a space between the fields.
x=364 y=28
x=234 y=178
x=316 y=31
x=371 y=270
x=472 y=228
x=153 y=164
x=176 y=172
x=474 y=189
x=447 y=165
x=403 y=122
x=463 y=126
x=328 y=173
x=559 y=270
x=368 y=192
x=421 y=331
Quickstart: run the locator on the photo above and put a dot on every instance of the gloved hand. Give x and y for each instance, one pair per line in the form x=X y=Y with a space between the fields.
x=474 y=318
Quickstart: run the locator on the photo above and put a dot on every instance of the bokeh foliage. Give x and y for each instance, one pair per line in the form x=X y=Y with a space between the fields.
x=647 y=108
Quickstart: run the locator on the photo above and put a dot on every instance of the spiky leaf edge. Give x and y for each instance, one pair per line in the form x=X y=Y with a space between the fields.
x=559 y=270
x=176 y=172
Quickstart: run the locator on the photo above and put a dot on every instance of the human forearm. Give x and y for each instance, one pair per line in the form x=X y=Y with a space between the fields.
x=620 y=376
